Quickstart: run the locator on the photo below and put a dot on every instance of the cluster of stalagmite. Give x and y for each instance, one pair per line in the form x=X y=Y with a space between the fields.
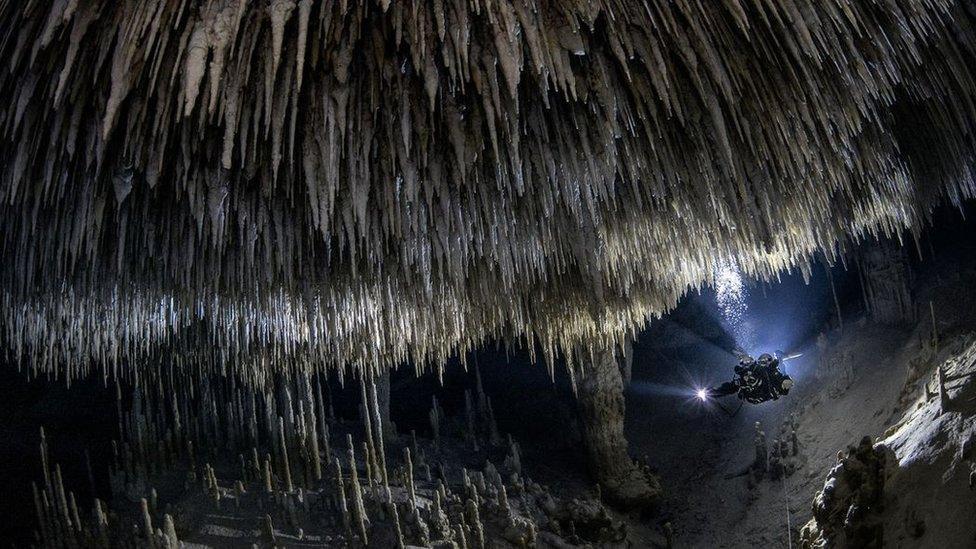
x=272 y=460
x=373 y=182
x=58 y=518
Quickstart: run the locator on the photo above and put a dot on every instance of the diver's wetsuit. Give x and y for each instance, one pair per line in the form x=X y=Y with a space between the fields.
x=756 y=381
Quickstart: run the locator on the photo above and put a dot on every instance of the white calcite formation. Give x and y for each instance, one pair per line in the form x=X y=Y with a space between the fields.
x=299 y=184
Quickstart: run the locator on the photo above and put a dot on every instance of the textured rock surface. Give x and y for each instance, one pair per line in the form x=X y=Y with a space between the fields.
x=848 y=512
x=913 y=488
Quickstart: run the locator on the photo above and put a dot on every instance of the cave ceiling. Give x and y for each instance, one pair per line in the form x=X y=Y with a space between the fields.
x=277 y=184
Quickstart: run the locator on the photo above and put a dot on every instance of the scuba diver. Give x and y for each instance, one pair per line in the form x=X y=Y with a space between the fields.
x=756 y=381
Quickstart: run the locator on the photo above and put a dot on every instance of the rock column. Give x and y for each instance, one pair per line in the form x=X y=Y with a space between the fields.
x=383 y=400
x=886 y=279
x=601 y=407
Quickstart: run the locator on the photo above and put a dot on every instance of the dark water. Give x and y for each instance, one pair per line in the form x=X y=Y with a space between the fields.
x=75 y=419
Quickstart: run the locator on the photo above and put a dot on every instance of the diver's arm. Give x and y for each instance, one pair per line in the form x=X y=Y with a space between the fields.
x=725 y=389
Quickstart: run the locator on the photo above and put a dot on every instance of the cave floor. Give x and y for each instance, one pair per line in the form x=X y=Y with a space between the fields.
x=701 y=453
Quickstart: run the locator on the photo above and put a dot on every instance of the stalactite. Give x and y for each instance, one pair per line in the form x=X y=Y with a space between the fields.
x=279 y=197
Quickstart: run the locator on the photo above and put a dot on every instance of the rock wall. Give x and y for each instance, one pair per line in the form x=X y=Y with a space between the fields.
x=916 y=486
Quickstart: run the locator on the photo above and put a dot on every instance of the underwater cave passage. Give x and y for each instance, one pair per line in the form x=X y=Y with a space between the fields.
x=471 y=274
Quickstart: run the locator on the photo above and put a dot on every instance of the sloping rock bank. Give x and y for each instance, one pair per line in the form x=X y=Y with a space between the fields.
x=916 y=486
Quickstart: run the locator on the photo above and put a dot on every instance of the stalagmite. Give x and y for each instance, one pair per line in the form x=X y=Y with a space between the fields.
x=371 y=474
x=833 y=292
x=73 y=506
x=268 y=532
x=45 y=463
x=268 y=483
x=374 y=407
x=62 y=500
x=471 y=433
x=172 y=540
x=887 y=279
x=147 y=528
x=435 y=416
x=471 y=508
x=408 y=476
x=286 y=466
x=440 y=525
x=359 y=511
x=601 y=407
x=239 y=492
x=382 y=390
x=370 y=453
x=308 y=407
x=396 y=524
x=943 y=393
x=514 y=459
x=101 y=522
x=494 y=437
x=39 y=511
x=341 y=494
